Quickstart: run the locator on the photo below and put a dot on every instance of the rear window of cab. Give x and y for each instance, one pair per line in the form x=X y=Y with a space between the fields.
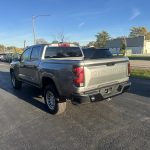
x=62 y=52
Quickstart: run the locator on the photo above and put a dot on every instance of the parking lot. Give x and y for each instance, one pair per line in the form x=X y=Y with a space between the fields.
x=123 y=123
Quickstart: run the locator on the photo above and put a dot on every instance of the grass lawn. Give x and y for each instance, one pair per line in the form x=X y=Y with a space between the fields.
x=139 y=57
x=140 y=73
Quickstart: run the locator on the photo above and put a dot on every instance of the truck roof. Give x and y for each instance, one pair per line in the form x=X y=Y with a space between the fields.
x=57 y=45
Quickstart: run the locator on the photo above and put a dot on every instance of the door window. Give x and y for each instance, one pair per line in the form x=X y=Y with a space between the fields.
x=36 y=53
x=26 y=55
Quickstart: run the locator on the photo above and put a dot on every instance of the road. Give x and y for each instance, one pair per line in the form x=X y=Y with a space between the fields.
x=123 y=123
x=140 y=64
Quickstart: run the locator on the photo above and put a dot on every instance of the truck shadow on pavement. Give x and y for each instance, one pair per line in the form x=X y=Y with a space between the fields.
x=32 y=95
x=27 y=93
x=140 y=87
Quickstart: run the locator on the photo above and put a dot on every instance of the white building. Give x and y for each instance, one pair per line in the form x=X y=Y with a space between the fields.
x=137 y=45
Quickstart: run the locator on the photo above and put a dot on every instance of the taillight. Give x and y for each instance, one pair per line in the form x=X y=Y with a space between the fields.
x=129 y=69
x=63 y=45
x=79 y=76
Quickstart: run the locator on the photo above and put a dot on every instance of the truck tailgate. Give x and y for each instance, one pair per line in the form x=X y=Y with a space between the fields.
x=102 y=72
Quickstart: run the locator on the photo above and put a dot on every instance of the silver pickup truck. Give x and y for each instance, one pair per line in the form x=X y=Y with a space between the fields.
x=67 y=72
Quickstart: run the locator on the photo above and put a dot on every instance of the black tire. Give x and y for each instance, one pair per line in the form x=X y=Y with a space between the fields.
x=15 y=82
x=51 y=99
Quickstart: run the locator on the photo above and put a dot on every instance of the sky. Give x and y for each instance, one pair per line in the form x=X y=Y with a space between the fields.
x=78 y=20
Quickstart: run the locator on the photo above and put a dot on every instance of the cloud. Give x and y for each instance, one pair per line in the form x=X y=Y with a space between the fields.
x=89 y=13
x=135 y=13
x=81 y=24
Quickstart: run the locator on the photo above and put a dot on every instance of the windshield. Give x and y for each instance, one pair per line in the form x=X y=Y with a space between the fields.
x=92 y=53
x=62 y=52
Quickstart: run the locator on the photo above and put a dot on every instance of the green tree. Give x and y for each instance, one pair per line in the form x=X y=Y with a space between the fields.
x=139 y=31
x=11 y=48
x=76 y=43
x=147 y=37
x=54 y=42
x=19 y=50
x=41 y=41
x=91 y=44
x=123 y=45
x=101 y=39
x=2 y=48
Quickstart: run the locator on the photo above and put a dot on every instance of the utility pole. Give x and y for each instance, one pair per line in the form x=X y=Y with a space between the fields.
x=25 y=44
x=33 y=25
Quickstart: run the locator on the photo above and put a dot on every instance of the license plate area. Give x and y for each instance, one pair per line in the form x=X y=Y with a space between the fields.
x=108 y=91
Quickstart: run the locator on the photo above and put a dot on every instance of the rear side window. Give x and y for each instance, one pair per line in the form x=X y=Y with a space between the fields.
x=62 y=52
x=92 y=53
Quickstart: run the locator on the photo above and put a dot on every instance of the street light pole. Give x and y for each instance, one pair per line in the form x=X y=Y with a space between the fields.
x=33 y=25
x=24 y=44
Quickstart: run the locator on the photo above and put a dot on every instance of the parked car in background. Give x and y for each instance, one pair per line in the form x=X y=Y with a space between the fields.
x=3 y=57
x=9 y=57
x=63 y=71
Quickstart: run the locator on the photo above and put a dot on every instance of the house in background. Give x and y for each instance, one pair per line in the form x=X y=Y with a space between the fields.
x=137 y=45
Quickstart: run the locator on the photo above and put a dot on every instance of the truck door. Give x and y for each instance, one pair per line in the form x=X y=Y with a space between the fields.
x=24 y=71
x=34 y=65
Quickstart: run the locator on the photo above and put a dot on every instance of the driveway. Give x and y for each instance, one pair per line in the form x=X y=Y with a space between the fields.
x=123 y=123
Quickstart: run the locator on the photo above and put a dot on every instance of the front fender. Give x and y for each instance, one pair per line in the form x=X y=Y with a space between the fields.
x=14 y=66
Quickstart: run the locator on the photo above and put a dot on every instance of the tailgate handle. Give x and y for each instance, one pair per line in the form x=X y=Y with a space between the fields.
x=110 y=64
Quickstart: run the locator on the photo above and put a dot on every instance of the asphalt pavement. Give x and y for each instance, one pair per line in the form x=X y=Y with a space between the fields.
x=123 y=123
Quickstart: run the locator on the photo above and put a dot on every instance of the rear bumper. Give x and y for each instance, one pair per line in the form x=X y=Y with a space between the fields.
x=100 y=94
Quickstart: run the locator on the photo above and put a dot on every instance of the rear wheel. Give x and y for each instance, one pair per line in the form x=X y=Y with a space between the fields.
x=52 y=101
x=15 y=82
